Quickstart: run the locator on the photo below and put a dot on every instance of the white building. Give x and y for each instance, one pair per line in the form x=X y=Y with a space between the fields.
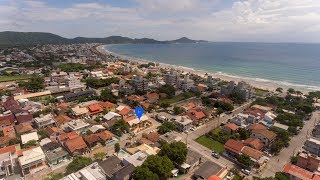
x=185 y=84
x=182 y=122
x=78 y=125
x=32 y=161
x=29 y=137
x=91 y=172
x=44 y=121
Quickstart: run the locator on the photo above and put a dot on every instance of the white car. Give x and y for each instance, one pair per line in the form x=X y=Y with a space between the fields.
x=246 y=171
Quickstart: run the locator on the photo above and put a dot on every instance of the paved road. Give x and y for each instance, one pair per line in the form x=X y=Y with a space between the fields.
x=276 y=163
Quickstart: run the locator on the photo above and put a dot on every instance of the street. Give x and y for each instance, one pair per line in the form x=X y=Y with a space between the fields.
x=276 y=163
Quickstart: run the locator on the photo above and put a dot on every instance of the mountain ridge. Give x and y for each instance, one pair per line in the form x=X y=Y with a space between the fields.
x=12 y=38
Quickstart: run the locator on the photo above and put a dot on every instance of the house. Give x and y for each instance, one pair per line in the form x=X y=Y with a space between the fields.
x=136 y=159
x=9 y=160
x=193 y=160
x=281 y=126
x=254 y=143
x=23 y=116
x=79 y=111
x=152 y=98
x=78 y=125
x=55 y=154
x=209 y=169
x=145 y=148
x=269 y=117
x=67 y=136
x=9 y=131
x=153 y=136
x=265 y=136
x=10 y=104
x=44 y=121
x=54 y=132
x=105 y=135
x=230 y=128
x=29 y=137
x=112 y=116
x=182 y=122
x=108 y=106
x=312 y=145
x=23 y=128
x=255 y=155
x=308 y=161
x=76 y=96
x=32 y=161
x=95 y=109
x=295 y=172
x=62 y=119
x=233 y=147
x=126 y=112
x=115 y=169
x=91 y=172
x=257 y=126
x=96 y=128
x=170 y=137
x=4 y=140
x=76 y=146
x=5 y=123
x=91 y=140
x=196 y=115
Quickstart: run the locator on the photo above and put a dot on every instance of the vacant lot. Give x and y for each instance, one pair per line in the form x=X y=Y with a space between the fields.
x=14 y=78
x=210 y=143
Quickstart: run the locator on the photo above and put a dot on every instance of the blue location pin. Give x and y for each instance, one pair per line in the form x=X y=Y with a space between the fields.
x=139 y=112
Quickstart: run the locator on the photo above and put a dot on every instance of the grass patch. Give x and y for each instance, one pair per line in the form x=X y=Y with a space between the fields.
x=178 y=98
x=260 y=92
x=210 y=143
x=14 y=78
x=216 y=131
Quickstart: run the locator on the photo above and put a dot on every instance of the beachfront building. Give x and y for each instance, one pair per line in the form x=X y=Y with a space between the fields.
x=185 y=84
x=242 y=88
x=140 y=83
x=171 y=78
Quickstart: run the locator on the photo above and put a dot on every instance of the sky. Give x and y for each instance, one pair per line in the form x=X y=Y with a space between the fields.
x=214 y=20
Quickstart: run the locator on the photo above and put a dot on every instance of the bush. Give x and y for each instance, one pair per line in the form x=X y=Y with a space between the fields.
x=166 y=127
x=77 y=164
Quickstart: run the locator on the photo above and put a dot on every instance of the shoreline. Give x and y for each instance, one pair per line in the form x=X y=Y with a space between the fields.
x=264 y=84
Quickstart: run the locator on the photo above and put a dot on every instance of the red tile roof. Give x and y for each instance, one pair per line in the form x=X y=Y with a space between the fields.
x=152 y=96
x=61 y=119
x=297 y=171
x=70 y=135
x=153 y=136
x=145 y=105
x=8 y=131
x=95 y=108
x=92 y=138
x=124 y=111
x=12 y=149
x=232 y=126
x=194 y=114
x=253 y=153
x=105 y=135
x=254 y=143
x=233 y=146
x=214 y=177
x=75 y=144
x=257 y=126
x=6 y=122
x=52 y=130
x=108 y=105
x=266 y=133
x=24 y=127
x=129 y=118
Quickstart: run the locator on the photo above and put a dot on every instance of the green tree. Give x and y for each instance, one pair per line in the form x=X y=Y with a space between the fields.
x=1 y=133
x=177 y=110
x=120 y=127
x=279 y=89
x=167 y=89
x=237 y=97
x=53 y=176
x=106 y=95
x=30 y=143
x=164 y=105
x=143 y=173
x=99 y=155
x=43 y=133
x=77 y=164
x=244 y=133
x=291 y=91
x=14 y=141
x=176 y=152
x=35 y=83
x=294 y=159
x=281 y=176
x=166 y=127
x=160 y=165
x=245 y=160
x=116 y=147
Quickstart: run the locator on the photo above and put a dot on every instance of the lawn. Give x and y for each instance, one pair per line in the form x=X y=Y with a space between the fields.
x=210 y=143
x=178 y=98
x=13 y=78
x=260 y=92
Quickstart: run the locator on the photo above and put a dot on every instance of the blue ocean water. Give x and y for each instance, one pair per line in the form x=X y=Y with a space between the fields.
x=284 y=63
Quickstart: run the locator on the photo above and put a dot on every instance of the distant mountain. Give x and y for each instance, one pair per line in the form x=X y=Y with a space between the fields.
x=10 y=38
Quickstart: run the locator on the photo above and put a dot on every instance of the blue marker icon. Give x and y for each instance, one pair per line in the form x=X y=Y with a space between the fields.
x=139 y=112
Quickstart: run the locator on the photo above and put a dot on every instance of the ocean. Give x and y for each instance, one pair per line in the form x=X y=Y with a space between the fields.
x=288 y=64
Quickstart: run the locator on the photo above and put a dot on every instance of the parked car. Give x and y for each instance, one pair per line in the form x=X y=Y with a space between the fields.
x=215 y=154
x=246 y=171
x=192 y=129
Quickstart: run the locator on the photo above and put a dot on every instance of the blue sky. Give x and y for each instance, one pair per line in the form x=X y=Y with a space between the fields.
x=215 y=20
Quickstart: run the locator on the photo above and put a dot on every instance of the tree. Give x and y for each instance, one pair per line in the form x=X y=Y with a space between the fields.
x=281 y=176
x=294 y=159
x=143 y=173
x=106 y=95
x=291 y=91
x=176 y=152
x=1 y=133
x=177 y=110
x=120 y=127
x=237 y=97
x=34 y=84
x=299 y=93
x=30 y=143
x=245 y=160
x=166 y=127
x=244 y=133
x=279 y=89
x=167 y=89
x=77 y=164
x=54 y=176
x=43 y=133
x=160 y=165
x=164 y=105
x=116 y=147
x=14 y=141
x=223 y=105
x=99 y=155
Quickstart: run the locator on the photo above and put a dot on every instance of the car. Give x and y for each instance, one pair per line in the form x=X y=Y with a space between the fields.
x=192 y=129
x=215 y=154
x=246 y=171
x=186 y=131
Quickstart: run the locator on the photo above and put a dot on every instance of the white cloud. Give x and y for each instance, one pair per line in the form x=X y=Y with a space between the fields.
x=250 y=20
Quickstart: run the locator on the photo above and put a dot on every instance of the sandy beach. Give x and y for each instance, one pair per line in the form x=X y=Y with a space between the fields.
x=255 y=82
